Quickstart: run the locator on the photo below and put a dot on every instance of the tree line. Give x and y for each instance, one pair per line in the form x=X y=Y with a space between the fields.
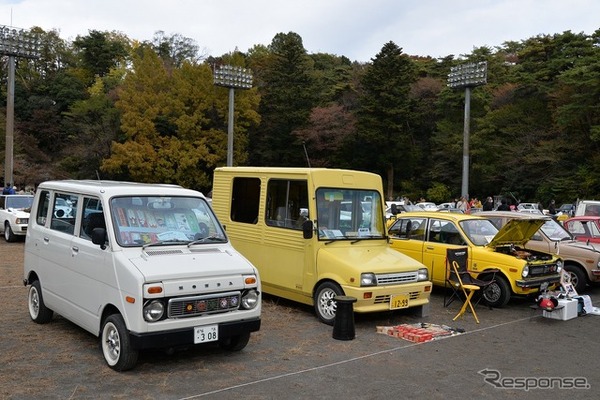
x=110 y=107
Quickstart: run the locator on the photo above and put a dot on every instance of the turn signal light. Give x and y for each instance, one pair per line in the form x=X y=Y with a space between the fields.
x=154 y=290
x=250 y=280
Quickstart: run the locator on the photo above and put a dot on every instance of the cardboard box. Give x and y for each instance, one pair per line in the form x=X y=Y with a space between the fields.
x=566 y=309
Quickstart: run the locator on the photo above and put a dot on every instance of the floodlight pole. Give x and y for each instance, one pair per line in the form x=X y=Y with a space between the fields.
x=14 y=43
x=233 y=78
x=467 y=76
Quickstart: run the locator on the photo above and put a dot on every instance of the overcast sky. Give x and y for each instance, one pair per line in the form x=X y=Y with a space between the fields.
x=357 y=29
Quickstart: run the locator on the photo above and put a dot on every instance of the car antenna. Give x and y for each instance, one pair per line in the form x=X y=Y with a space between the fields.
x=98 y=175
x=306 y=153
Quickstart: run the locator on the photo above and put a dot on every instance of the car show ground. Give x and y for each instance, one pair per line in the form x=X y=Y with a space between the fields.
x=513 y=352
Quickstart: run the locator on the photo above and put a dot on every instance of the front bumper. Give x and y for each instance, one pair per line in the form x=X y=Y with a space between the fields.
x=182 y=337
x=537 y=282
x=377 y=298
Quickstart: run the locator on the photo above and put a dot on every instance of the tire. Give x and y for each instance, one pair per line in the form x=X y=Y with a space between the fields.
x=116 y=347
x=9 y=236
x=578 y=277
x=498 y=293
x=325 y=306
x=38 y=311
x=235 y=343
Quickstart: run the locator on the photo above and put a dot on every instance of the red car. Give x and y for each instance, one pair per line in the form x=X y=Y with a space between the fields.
x=584 y=228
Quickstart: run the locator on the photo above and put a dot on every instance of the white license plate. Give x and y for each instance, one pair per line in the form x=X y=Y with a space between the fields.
x=208 y=333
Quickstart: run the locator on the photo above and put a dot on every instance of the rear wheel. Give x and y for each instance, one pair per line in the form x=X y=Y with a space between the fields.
x=497 y=294
x=325 y=305
x=116 y=347
x=38 y=311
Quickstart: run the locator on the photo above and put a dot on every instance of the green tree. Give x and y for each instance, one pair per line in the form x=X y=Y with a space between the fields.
x=288 y=96
x=384 y=139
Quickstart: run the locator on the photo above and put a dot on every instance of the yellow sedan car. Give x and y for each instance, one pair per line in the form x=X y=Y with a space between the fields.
x=426 y=236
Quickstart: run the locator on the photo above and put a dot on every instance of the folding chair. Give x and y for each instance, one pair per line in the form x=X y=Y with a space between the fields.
x=461 y=281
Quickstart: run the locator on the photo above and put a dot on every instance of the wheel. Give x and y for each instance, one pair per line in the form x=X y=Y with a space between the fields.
x=9 y=236
x=38 y=311
x=498 y=293
x=325 y=306
x=578 y=278
x=116 y=347
x=235 y=343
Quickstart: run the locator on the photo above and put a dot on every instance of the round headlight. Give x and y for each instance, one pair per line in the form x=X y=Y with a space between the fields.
x=559 y=266
x=525 y=272
x=154 y=311
x=368 y=279
x=250 y=299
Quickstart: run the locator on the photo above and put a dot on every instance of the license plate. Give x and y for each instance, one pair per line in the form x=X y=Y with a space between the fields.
x=399 y=301
x=543 y=286
x=208 y=333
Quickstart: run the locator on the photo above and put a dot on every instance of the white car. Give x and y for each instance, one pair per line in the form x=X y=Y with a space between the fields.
x=427 y=206
x=14 y=215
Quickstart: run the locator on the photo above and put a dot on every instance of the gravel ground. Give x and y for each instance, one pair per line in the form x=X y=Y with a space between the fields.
x=295 y=356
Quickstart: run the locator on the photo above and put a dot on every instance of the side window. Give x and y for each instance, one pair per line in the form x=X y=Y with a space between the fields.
x=92 y=217
x=245 y=199
x=43 y=206
x=287 y=203
x=435 y=227
x=64 y=210
x=576 y=228
x=410 y=228
x=2 y=202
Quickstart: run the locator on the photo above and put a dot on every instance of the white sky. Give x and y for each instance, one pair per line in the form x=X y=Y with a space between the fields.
x=357 y=29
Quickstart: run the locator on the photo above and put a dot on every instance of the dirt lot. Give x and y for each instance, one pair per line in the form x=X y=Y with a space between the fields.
x=295 y=356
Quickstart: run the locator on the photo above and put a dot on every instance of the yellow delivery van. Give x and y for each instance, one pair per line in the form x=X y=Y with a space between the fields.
x=316 y=233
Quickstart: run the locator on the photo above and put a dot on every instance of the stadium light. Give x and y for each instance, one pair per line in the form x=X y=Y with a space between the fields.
x=14 y=42
x=233 y=78
x=467 y=76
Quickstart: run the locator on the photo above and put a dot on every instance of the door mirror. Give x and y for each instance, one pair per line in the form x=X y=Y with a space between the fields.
x=99 y=237
x=307 y=229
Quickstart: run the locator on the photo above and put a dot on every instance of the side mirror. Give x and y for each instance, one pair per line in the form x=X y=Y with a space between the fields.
x=99 y=237
x=307 y=229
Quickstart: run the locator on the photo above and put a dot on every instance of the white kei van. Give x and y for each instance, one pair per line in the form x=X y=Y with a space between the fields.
x=139 y=265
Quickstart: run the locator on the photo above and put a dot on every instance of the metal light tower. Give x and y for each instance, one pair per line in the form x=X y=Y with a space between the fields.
x=467 y=76
x=233 y=78
x=14 y=42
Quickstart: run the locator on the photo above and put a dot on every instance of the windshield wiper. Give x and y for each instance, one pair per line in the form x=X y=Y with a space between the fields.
x=163 y=242
x=207 y=239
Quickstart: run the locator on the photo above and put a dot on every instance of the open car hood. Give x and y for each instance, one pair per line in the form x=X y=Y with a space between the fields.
x=517 y=231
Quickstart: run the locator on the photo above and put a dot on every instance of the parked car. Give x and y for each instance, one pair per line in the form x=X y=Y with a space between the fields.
x=530 y=207
x=427 y=206
x=584 y=228
x=426 y=237
x=14 y=215
x=566 y=209
x=580 y=260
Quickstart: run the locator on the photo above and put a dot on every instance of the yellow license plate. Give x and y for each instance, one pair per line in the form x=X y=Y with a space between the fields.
x=399 y=301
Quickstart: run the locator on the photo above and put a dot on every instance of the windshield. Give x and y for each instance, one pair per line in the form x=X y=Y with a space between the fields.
x=349 y=214
x=479 y=231
x=144 y=220
x=555 y=231
x=19 y=202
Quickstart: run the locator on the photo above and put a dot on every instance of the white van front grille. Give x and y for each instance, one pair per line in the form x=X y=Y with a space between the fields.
x=182 y=307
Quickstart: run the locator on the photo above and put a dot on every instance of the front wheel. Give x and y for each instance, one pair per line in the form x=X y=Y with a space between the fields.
x=497 y=294
x=116 y=347
x=235 y=343
x=325 y=305
x=9 y=235
x=578 y=278
x=38 y=311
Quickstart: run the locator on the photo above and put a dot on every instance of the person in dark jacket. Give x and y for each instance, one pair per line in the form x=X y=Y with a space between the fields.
x=489 y=204
x=503 y=206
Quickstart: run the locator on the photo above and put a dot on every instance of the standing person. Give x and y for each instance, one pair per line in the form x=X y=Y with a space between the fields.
x=462 y=204
x=552 y=208
x=503 y=206
x=489 y=204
